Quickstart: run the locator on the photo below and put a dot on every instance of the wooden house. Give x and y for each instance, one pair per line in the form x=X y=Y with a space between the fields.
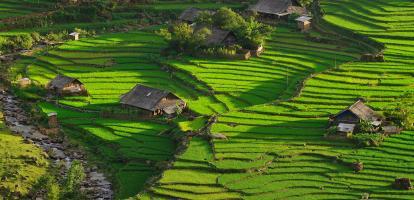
x=189 y=15
x=304 y=23
x=64 y=85
x=349 y=119
x=74 y=36
x=277 y=8
x=152 y=101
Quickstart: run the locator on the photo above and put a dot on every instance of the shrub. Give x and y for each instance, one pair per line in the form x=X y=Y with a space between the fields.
x=75 y=176
x=48 y=187
x=366 y=126
x=23 y=41
x=368 y=139
x=35 y=36
x=402 y=113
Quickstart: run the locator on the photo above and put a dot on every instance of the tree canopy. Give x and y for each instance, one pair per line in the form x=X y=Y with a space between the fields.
x=250 y=34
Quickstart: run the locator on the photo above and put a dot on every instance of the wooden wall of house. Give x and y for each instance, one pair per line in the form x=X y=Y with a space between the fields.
x=346 y=117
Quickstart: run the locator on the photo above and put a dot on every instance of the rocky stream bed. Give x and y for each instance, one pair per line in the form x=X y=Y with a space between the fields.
x=59 y=151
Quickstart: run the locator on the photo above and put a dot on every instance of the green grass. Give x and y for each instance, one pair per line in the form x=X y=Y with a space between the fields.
x=21 y=165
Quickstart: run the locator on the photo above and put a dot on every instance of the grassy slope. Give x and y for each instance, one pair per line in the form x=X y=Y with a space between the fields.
x=21 y=165
x=278 y=151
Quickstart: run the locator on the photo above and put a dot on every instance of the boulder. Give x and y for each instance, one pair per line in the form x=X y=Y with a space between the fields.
x=56 y=153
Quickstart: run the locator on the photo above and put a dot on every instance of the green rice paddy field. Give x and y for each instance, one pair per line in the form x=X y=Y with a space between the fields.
x=13 y=8
x=275 y=147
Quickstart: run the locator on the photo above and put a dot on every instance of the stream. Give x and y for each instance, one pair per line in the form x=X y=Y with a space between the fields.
x=96 y=185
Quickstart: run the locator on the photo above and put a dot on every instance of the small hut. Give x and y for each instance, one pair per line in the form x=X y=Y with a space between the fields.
x=189 y=15
x=74 y=35
x=277 y=8
x=152 y=101
x=24 y=82
x=52 y=120
x=64 y=85
x=355 y=113
x=304 y=23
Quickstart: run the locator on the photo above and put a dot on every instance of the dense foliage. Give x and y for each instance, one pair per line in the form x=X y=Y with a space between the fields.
x=402 y=112
x=52 y=187
x=250 y=33
x=21 y=165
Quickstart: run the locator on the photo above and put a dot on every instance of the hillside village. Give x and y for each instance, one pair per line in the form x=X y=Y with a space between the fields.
x=259 y=99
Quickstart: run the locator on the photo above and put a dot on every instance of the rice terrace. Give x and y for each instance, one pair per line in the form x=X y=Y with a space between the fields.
x=206 y=99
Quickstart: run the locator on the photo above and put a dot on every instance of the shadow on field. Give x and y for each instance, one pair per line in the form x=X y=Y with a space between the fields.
x=132 y=154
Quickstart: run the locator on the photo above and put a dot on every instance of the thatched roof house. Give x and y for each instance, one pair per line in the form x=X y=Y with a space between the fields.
x=277 y=8
x=218 y=36
x=189 y=15
x=153 y=100
x=66 y=85
x=355 y=113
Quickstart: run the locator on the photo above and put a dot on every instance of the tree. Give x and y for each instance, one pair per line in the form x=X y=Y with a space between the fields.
x=252 y=33
x=204 y=18
x=305 y=3
x=183 y=38
x=227 y=19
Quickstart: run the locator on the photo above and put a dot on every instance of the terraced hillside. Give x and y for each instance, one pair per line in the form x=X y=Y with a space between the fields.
x=126 y=59
x=13 y=8
x=289 y=58
x=277 y=151
x=275 y=147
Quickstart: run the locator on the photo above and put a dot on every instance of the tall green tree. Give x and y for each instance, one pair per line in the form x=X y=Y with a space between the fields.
x=252 y=33
x=227 y=19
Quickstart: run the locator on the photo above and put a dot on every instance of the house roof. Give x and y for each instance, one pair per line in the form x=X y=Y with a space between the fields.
x=144 y=97
x=217 y=36
x=271 y=6
x=190 y=14
x=60 y=81
x=74 y=33
x=297 y=9
x=362 y=111
x=303 y=18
